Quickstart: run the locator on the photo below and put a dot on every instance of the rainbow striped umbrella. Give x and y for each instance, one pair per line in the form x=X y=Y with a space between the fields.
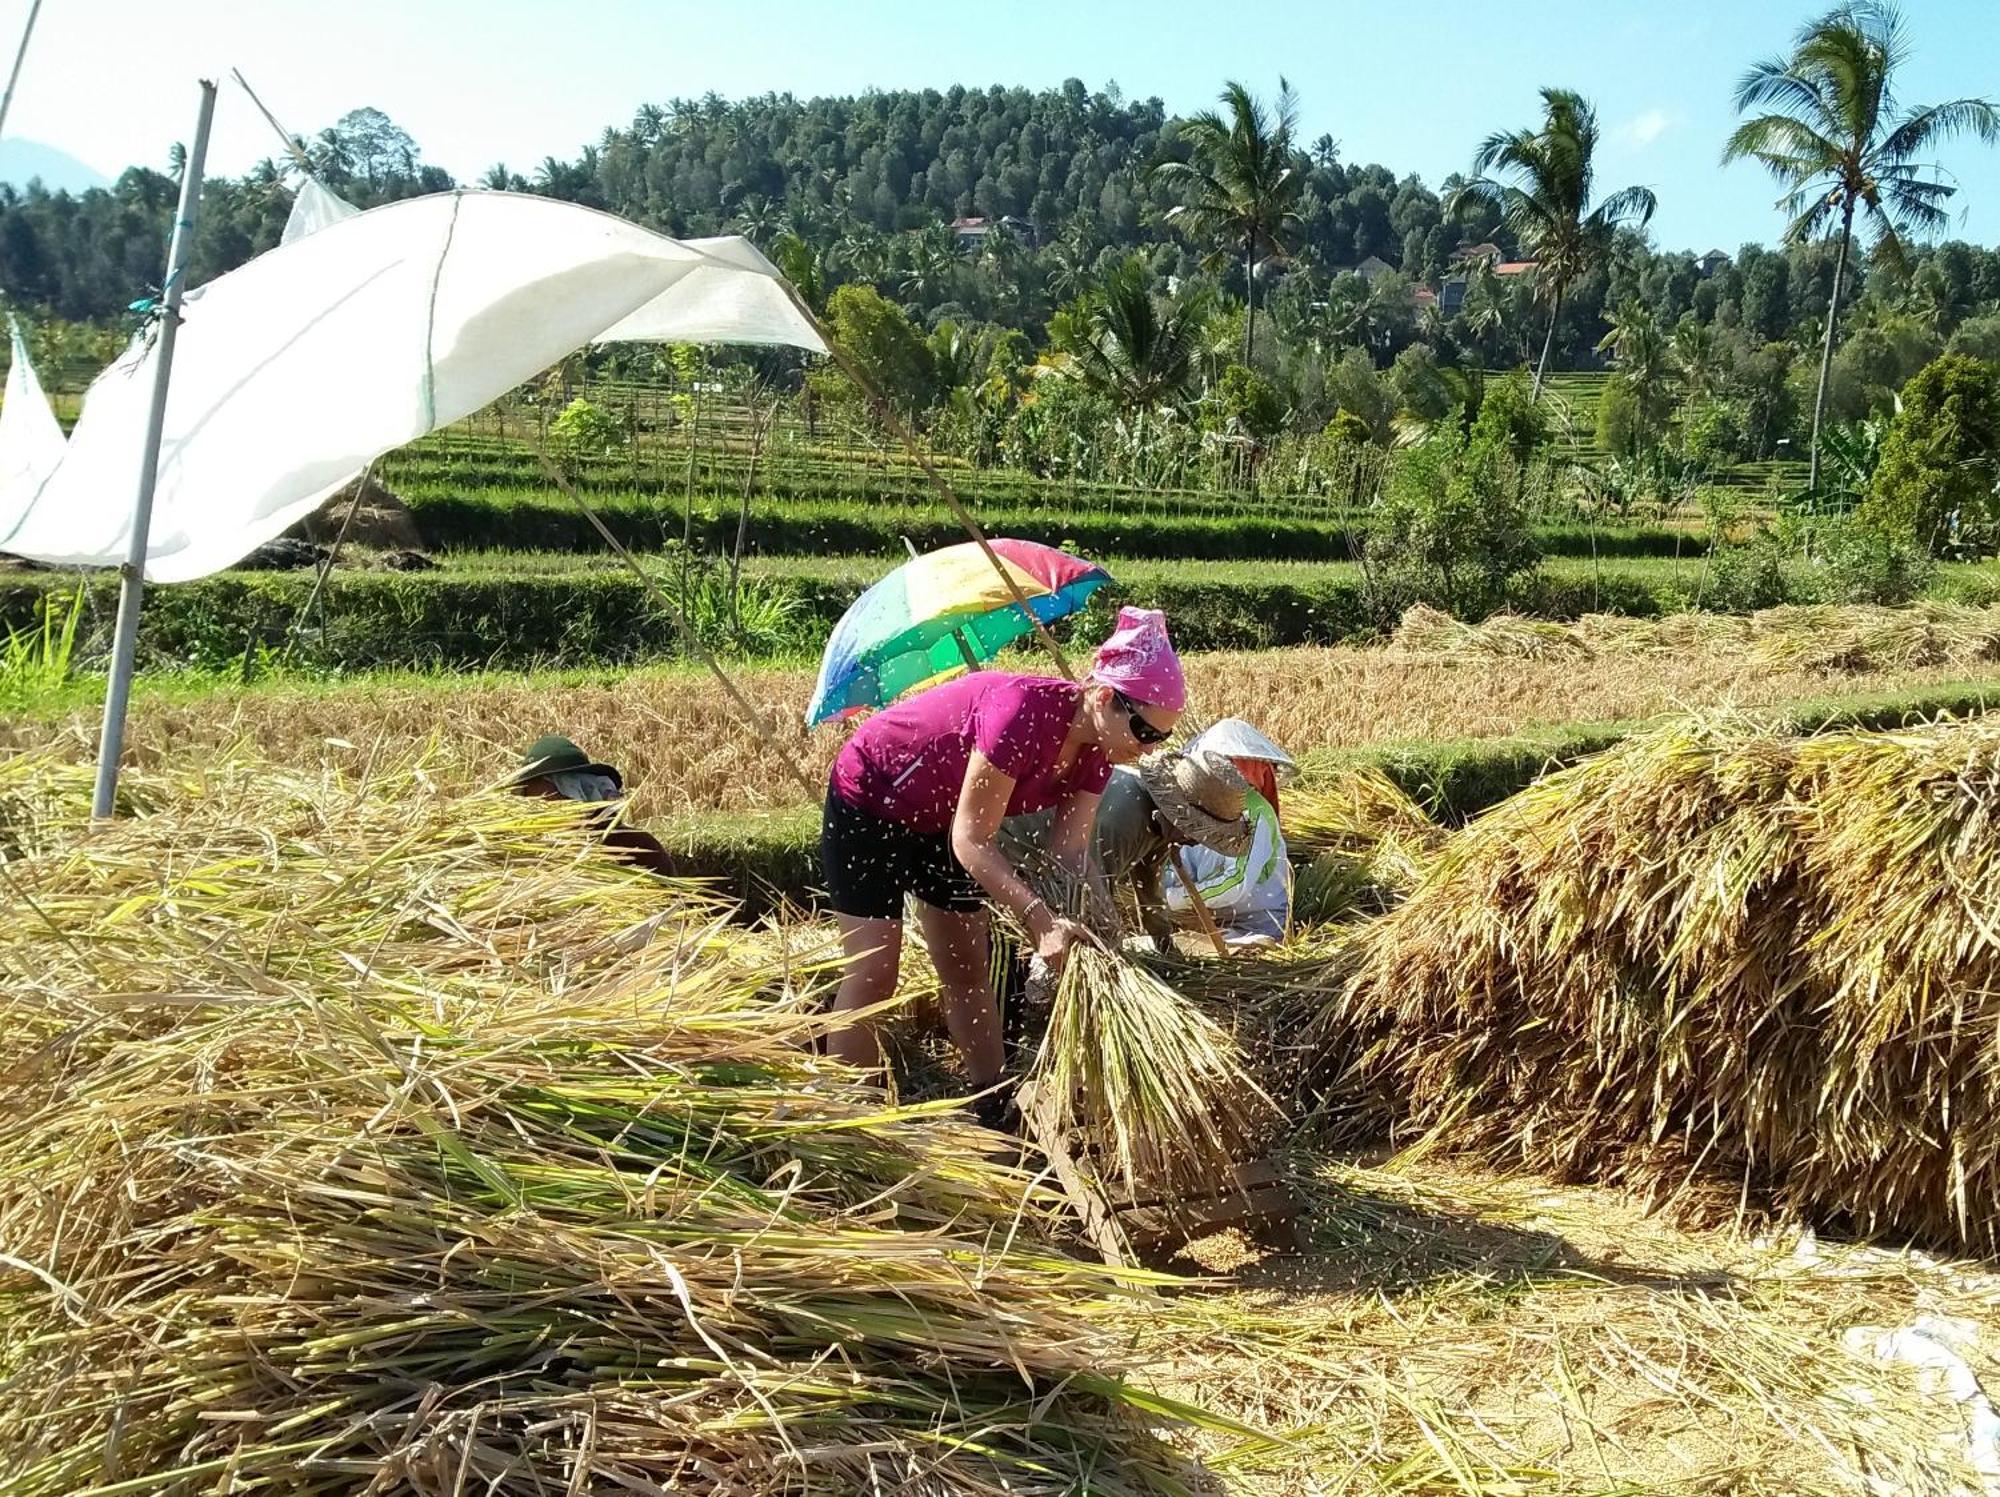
x=939 y=614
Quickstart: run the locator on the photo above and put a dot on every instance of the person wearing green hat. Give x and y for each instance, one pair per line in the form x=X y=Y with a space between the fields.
x=554 y=767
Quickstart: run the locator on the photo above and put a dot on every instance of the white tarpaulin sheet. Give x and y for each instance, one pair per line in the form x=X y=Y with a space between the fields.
x=31 y=443
x=314 y=209
x=295 y=370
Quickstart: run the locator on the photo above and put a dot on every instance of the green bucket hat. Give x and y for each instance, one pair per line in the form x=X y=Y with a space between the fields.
x=554 y=754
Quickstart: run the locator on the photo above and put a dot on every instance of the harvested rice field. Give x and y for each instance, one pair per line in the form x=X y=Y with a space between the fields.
x=364 y=1130
x=1455 y=1329
x=358 y=1130
x=685 y=753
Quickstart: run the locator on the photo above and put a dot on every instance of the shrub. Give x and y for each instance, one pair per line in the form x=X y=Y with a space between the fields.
x=1620 y=427
x=1934 y=487
x=1450 y=529
x=1744 y=576
x=1510 y=415
x=584 y=429
x=1712 y=434
x=1250 y=401
x=1857 y=563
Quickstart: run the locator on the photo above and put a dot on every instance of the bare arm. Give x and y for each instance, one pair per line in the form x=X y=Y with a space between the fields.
x=1069 y=832
x=982 y=805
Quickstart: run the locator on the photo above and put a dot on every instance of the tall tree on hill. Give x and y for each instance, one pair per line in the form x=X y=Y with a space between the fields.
x=1834 y=139
x=1546 y=205
x=1239 y=193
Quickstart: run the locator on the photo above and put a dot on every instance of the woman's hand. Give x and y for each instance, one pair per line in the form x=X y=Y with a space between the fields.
x=1054 y=943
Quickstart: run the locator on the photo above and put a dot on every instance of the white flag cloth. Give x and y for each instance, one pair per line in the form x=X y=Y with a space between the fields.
x=314 y=209
x=31 y=443
x=295 y=370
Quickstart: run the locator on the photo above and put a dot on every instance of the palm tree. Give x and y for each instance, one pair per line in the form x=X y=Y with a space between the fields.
x=1837 y=144
x=932 y=263
x=1069 y=259
x=1547 y=206
x=1138 y=350
x=1240 y=191
x=1644 y=357
x=1697 y=355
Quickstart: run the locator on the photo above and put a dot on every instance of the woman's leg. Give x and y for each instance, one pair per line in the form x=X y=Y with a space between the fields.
x=874 y=951
x=957 y=944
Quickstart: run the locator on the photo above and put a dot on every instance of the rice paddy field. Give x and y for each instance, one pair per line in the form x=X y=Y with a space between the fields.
x=684 y=751
x=366 y=1129
x=362 y=1132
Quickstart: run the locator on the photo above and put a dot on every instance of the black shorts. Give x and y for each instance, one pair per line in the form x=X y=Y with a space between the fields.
x=869 y=865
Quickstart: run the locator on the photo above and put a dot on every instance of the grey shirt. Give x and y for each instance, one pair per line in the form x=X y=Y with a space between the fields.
x=1126 y=848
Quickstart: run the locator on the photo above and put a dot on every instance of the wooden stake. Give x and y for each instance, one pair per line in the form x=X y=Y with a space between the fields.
x=1202 y=915
x=1100 y=1224
x=685 y=629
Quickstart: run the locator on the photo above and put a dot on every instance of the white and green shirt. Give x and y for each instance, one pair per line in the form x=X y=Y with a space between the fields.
x=1251 y=894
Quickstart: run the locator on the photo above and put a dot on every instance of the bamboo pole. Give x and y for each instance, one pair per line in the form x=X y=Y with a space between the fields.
x=1202 y=914
x=685 y=629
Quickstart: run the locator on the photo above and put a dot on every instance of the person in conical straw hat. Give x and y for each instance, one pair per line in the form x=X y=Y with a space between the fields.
x=1248 y=891
x=914 y=806
x=1165 y=801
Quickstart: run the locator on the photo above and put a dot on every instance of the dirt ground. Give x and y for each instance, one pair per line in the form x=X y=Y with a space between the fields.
x=1453 y=1330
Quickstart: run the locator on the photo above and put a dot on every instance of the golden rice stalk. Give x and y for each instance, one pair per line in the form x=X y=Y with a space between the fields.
x=1717 y=951
x=355 y=1137
x=1424 y=630
x=1134 y=1069
x=1359 y=811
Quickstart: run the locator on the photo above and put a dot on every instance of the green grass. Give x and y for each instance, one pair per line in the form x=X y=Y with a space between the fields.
x=504 y=611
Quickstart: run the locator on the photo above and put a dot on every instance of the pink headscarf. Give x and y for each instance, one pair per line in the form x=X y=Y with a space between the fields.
x=1139 y=660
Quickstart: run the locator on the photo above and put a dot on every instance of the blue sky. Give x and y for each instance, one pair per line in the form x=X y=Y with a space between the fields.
x=479 y=81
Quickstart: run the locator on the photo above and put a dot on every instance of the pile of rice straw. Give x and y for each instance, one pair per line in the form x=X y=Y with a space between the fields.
x=1717 y=951
x=357 y=1138
x=1802 y=637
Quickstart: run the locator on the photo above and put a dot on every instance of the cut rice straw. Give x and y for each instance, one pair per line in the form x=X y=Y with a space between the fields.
x=356 y=1137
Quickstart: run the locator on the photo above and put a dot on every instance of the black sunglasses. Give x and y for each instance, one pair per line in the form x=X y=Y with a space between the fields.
x=1142 y=730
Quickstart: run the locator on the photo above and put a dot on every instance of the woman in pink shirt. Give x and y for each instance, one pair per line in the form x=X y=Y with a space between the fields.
x=916 y=799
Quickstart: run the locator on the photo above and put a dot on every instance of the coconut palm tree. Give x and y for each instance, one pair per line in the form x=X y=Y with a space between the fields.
x=1138 y=350
x=1836 y=142
x=932 y=263
x=1239 y=193
x=1697 y=356
x=1644 y=358
x=1547 y=205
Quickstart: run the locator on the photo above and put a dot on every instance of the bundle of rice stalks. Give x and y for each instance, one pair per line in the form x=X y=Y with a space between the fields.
x=1363 y=836
x=1855 y=638
x=1266 y=1002
x=354 y=1138
x=1424 y=630
x=1673 y=633
x=1156 y=1087
x=1714 y=949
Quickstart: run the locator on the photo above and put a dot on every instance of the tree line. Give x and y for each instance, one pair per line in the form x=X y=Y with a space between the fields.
x=1216 y=277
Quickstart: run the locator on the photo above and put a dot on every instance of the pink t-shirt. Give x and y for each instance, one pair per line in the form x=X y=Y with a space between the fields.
x=907 y=763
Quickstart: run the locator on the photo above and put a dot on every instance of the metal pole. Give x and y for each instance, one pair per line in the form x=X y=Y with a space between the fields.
x=20 y=56
x=132 y=576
